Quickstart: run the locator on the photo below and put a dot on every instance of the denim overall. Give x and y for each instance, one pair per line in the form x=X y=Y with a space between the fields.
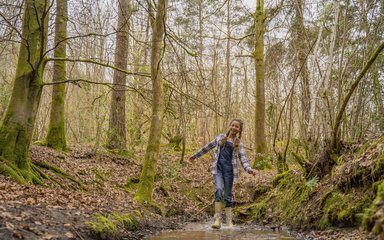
x=224 y=175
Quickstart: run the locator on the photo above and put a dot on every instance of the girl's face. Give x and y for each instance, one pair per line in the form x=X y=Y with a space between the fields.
x=235 y=127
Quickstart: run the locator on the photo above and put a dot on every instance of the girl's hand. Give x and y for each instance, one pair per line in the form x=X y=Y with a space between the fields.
x=191 y=159
x=253 y=172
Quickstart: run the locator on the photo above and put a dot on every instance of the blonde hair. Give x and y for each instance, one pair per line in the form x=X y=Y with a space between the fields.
x=236 y=144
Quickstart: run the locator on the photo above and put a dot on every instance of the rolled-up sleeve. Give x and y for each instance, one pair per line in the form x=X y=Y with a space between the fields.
x=243 y=158
x=207 y=147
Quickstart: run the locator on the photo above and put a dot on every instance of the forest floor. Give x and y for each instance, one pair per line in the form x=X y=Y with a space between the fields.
x=184 y=191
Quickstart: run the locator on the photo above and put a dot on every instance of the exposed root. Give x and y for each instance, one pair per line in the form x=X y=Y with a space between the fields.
x=46 y=176
x=58 y=172
x=10 y=170
x=33 y=173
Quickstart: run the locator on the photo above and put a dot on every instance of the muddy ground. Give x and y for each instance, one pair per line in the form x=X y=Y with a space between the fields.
x=62 y=212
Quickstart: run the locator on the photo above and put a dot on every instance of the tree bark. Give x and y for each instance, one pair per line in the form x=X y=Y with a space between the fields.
x=260 y=142
x=228 y=109
x=56 y=137
x=336 y=128
x=144 y=193
x=301 y=65
x=117 y=129
x=17 y=126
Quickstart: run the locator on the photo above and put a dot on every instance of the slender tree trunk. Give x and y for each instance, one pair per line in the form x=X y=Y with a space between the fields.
x=147 y=177
x=202 y=118
x=329 y=98
x=117 y=130
x=260 y=142
x=138 y=111
x=56 y=137
x=377 y=90
x=17 y=126
x=301 y=63
x=336 y=128
x=228 y=108
x=214 y=84
x=377 y=86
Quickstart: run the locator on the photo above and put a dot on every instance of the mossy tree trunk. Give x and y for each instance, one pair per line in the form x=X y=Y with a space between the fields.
x=228 y=85
x=17 y=126
x=141 y=62
x=117 y=138
x=56 y=137
x=260 y=142
x=300 y=48
x=336 y=128
x=144 y=193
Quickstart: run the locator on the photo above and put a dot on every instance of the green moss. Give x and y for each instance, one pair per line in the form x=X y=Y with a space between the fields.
x=113 y=225
x=131 y=184
x=343 y=210
x=262 y=164
x=280 y=177
x=126 y=220
x=10 y=170
x=56 y=136
x=41 y=143
x=368 y=145
x=154 y=207
x=373 y=218
x=174 y=211
x=259 y=210
x=103 y=227
x=101 y=176
x=61 y=173
x=259 y=191
x=379 y=166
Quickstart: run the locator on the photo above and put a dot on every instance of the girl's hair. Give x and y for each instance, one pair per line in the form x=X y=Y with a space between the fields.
x=237 y=141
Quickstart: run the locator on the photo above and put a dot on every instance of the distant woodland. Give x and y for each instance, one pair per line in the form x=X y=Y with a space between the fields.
x=305 y=76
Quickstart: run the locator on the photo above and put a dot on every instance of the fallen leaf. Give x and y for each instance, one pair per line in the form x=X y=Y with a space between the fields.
x=30 y=201
x=9 y=226
x=18 y=235
x=69 y=235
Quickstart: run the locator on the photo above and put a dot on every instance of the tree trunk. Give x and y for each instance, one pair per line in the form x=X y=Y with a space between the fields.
x=377 y=91
x=17 y=126
x=328 y=82
x=56 y=137
x=147 y=177
x=260 y=142
x=336 y=128
x=202 y=118
x=301 y=64
x=228 y=109
x=117 y=130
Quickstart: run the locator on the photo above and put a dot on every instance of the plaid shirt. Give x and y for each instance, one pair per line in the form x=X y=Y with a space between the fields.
x=215 y=143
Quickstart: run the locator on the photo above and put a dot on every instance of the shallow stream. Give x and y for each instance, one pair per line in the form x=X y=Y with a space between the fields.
x=200 y=231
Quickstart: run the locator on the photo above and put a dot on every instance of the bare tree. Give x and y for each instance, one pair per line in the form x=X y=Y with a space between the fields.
x=56 y=137
x=17 y=126
x=117 y=129
x=260 y=141
x=147 y=177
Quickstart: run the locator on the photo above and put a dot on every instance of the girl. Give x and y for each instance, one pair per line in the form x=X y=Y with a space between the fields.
x=224 y=167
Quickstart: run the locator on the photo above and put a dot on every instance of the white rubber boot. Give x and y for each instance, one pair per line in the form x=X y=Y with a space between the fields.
x=217 y=223
x=228 y=215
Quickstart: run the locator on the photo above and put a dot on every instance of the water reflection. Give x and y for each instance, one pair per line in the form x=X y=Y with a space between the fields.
x=204 y=232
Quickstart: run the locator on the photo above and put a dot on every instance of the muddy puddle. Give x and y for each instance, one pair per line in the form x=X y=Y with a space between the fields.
x=198 y=231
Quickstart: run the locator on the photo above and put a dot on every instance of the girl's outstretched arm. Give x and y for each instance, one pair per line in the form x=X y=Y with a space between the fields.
x=244 y=160
x=206 y=148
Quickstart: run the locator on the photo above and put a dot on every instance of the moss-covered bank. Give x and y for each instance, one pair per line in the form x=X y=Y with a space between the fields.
x=351 y=196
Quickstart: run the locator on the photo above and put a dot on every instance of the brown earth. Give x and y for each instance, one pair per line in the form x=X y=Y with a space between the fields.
x=62 y=212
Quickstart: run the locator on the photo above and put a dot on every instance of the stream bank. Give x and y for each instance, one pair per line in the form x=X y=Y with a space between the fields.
x=183 y=193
